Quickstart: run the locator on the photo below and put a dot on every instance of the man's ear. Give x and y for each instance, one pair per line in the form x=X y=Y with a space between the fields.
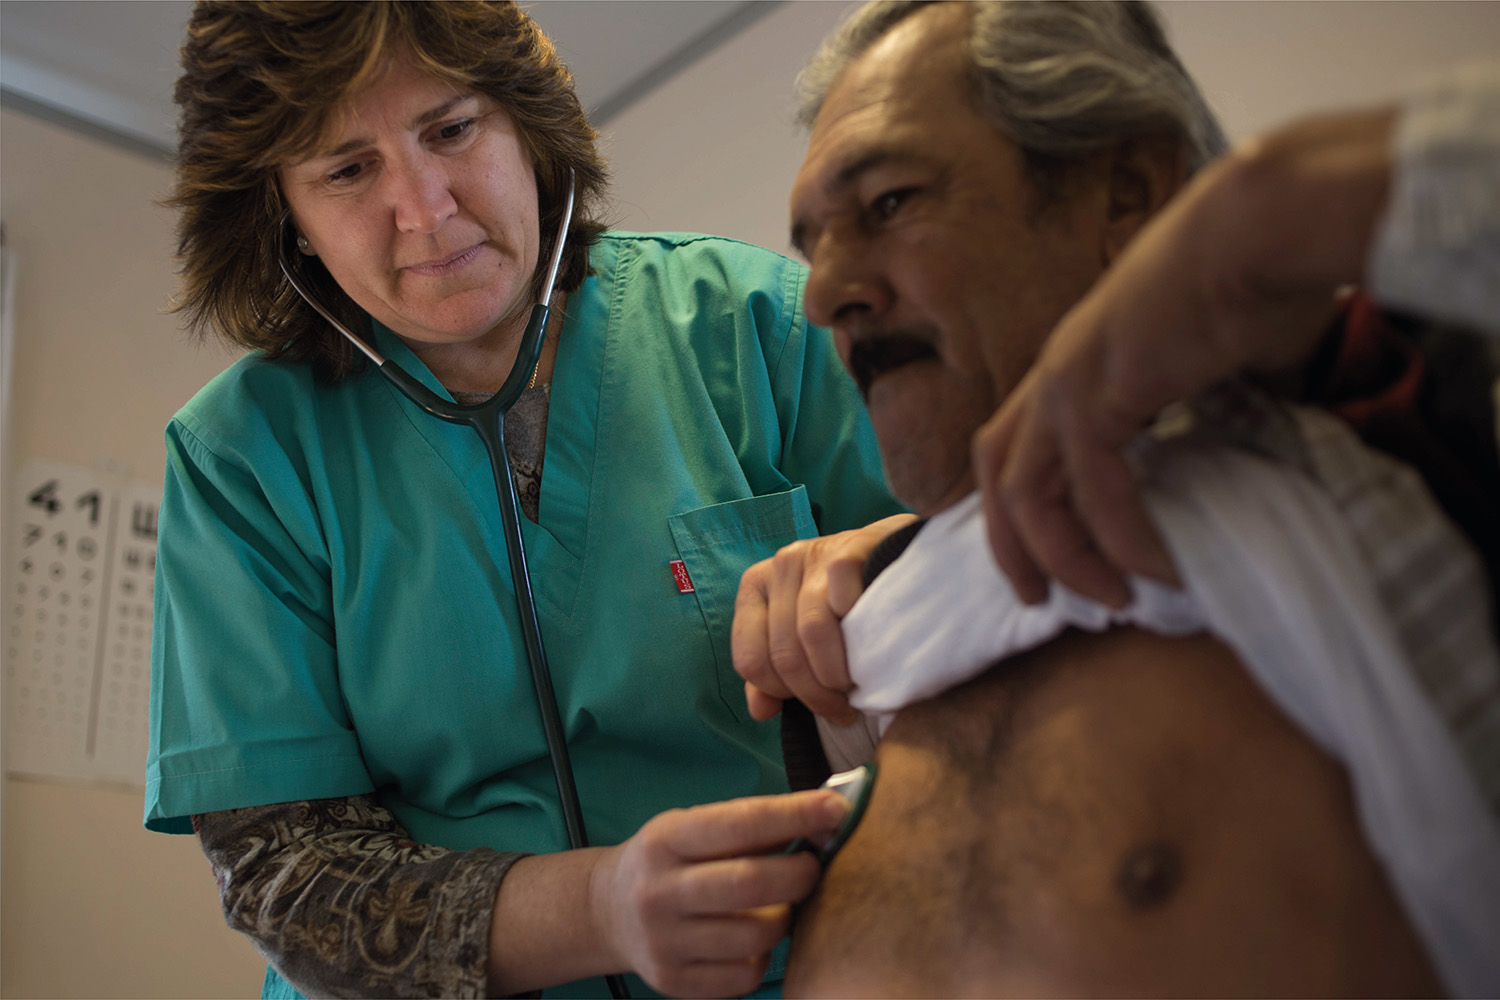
x=1144 y=173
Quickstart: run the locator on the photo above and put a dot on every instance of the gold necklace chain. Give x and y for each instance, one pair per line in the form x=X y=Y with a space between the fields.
x=554 y=326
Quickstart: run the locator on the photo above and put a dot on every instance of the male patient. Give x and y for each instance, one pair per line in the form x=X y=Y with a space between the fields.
x=1115 y=811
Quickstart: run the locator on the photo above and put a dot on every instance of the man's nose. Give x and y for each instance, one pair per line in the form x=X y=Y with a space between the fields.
x=845 y=282
x=422 y=196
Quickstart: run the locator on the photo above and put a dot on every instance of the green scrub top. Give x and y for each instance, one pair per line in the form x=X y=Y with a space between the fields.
x=334 y=610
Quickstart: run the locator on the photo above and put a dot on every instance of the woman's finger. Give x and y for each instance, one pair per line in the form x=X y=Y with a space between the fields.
x=749 y=882
x=711 y=979
x=733 y=937
x=745 y=826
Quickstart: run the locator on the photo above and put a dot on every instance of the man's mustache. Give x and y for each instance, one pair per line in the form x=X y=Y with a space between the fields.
x=873 y=355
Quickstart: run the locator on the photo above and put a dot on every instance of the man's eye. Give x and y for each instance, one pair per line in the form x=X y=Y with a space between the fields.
x=890 y=202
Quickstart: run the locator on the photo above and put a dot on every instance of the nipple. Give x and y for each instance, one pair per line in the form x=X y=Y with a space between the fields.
x=1149 y=874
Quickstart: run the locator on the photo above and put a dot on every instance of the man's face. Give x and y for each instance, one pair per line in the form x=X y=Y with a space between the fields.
x=930 y=260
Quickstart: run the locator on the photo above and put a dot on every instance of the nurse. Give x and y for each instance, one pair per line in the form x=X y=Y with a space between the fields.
x=341 y=708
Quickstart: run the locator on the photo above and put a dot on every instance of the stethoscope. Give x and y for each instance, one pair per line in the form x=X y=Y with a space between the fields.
x=488 y=420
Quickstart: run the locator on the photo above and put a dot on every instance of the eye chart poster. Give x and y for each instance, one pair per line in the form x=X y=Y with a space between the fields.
x=77 y=628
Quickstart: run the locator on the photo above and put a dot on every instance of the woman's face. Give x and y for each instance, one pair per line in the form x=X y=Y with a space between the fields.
x=421 y=201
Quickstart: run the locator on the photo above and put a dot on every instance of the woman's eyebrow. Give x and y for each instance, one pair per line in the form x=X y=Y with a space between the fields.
x=425 y=118
x=442 y=110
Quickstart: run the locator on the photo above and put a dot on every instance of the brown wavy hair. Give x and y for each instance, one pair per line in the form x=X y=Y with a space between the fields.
x=260 y=81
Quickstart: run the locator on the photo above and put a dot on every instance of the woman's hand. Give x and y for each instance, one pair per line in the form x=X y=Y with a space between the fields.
x=786 y=640
x=693 y=903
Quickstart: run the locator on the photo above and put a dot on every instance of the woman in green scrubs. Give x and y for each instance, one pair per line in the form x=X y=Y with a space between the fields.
x=341 y=704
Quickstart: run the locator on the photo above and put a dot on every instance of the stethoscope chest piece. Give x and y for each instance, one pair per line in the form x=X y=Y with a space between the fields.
x=855 y=786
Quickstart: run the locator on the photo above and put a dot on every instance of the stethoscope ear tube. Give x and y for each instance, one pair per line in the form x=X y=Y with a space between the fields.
x=488 y=420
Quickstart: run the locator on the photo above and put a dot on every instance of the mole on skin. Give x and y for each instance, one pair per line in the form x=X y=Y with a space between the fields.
x=1149 y=875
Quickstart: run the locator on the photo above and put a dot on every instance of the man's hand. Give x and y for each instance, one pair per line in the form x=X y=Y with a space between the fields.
x=693 y=903
x=1059 y=499
x=786 y=640
x=1236 y=275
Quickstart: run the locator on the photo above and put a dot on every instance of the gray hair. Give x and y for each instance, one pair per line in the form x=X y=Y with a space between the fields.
x=1059 y=78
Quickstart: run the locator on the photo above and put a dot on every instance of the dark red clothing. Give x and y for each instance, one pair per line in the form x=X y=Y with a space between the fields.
x=1419 y=392
x=1424 y=394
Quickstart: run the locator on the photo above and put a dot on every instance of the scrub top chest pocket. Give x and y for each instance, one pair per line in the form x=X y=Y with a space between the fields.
x=716 y=544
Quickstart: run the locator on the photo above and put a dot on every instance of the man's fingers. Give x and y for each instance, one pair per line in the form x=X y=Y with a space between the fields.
x=1061 y=545
x=1029 y=583
x=822 y=639
x=784 y=646
x=845 y=571
x=992 y=455
x=844 y=580
x=762 y=706
x=1037 y=494
x=1108 y=502
x=798 y=631
x=749 y=635
x=786 y=639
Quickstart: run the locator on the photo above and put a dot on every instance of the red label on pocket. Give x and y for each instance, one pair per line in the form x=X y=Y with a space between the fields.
x=680 y=574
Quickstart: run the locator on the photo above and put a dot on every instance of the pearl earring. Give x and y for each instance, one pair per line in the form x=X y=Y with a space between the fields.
x=302 y=245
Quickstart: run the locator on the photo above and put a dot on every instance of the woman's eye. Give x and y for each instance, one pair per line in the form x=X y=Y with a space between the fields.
x=343 y=175
x=455 y=130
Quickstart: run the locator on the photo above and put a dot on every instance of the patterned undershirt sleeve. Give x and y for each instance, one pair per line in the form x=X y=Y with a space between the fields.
x=334 y=894
x=343 y=904
x=525 y=441
x=1431 y=584
x=1436 y=251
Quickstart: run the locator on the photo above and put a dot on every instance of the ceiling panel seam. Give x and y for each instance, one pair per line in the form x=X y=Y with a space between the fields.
x=742 y=16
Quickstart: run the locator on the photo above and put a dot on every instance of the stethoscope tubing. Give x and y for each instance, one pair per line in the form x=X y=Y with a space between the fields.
x=488 y=421
x=487 y=418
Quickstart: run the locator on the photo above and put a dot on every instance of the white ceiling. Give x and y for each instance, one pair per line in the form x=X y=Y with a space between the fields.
x=107 y=66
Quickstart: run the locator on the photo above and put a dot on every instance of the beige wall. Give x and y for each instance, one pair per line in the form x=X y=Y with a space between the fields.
x=715 y=151
x=92 y=905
